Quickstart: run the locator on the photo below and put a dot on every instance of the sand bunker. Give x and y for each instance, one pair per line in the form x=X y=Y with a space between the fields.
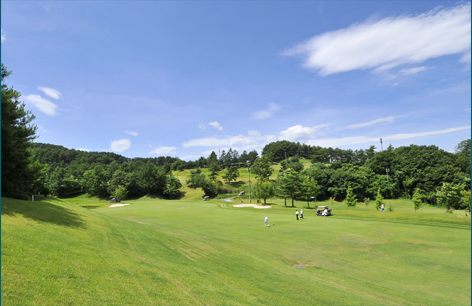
x=252 y=205
x=117 y=205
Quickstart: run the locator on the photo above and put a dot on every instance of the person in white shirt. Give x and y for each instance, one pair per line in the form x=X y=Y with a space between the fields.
x=301 y=213
x=325 y=212
x=266 y=221
x=296 y=214
x=383 y=208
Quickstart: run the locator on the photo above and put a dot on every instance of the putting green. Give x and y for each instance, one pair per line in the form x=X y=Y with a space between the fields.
x=194 y=252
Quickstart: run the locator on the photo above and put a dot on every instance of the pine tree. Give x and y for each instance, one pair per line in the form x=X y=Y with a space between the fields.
x=18 y=172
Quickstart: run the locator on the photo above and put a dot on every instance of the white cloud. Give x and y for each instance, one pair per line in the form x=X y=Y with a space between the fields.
x=42 y=129
x=266 y=113
x=131 y=133
x=4 y=36
x=193 y=157
x=216 y=125
x=120 y=145
x=163 y=150
x=414 y=70
x=300 y=133
x=202 y=126
x=337 y=142
x=389 y=42
x=206 y=142
x=82 y=149
x=43 y=105
x=364 y=124
x=50 y=92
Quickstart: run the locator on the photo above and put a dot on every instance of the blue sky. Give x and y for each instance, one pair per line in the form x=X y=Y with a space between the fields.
x=146 y=79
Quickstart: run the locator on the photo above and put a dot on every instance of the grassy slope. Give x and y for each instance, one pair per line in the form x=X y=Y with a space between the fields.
x=193 y=252
x=243 y=179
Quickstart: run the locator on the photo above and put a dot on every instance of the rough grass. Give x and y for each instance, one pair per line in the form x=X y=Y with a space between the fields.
x=189 y=252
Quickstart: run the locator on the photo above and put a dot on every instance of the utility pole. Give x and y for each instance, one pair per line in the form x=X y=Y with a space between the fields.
x=381 y=145
x=286 y=167
x=249 y=173
x=387 y=170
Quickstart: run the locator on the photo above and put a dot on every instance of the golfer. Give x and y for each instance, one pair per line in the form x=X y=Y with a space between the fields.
x=266 y=221
x=383 y=208
x=296 y=214
x=301 y=213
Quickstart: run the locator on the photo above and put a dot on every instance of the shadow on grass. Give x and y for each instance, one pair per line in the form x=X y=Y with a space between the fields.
x=42 y=211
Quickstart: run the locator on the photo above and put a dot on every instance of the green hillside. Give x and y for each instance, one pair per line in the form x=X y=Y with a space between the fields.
x=189 y=252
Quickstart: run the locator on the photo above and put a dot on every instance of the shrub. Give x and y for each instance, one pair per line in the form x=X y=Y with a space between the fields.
x=391 y=207
x=121 y=193
x=366 y=201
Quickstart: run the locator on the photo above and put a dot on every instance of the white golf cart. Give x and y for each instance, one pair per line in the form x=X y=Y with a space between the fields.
x=323 y=211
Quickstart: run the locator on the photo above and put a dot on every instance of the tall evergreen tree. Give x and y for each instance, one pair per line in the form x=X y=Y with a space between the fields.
x=18 y=171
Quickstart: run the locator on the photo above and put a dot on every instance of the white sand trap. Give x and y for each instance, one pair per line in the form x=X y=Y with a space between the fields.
x=117 y=205
x=252 y=205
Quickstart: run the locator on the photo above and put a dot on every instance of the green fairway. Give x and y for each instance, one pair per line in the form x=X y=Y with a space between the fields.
x=191 y=252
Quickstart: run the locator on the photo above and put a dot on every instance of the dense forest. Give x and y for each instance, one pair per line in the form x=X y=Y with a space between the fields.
x=397 y=172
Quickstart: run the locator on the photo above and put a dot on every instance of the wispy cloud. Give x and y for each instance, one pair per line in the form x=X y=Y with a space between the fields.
x=364 y=124
x=414 y=70
x=206 y=142
x=4 y=36
x=43 y=105
x=42 y=129
x=120 y=145
x=266 y=113
x=216 y=125
x=131 y=133
x=389 y=42
x=163 y=150
x=51 y=92
x=337 y=142
x=202 y=126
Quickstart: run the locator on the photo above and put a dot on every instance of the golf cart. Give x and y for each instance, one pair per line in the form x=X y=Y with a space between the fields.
x=323 y=211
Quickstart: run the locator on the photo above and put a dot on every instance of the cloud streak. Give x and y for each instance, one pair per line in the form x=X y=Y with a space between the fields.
x=337 y=142
x=163 y=150
x=43 y=105
x=132 y=133
x=364 y=124
x=4 y=36
x=389 y=42
x=51 y=92
x=266 y=113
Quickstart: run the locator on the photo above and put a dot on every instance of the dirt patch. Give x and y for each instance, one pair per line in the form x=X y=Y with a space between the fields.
x=381 y=233
x=361 y=240
x=438 y=251
x=428 y=243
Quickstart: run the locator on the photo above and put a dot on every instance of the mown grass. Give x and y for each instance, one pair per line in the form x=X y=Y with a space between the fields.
x=189 y=252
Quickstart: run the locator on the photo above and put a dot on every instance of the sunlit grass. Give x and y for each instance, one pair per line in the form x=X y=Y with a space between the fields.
x=191 y=252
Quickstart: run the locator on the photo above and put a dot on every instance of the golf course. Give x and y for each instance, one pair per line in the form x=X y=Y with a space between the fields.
x=192 y=252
